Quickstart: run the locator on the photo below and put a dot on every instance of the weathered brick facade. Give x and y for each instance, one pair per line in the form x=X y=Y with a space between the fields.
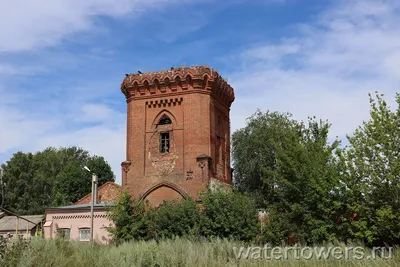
x=109 y=191
x=178 y=133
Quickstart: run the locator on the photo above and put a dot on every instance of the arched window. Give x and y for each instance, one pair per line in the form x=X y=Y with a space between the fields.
x=164 y=136
x=164 y=120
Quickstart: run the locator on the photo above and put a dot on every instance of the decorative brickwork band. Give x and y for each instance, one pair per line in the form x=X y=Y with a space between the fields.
x=68 y=217
x=164 y=102
x=177 y=81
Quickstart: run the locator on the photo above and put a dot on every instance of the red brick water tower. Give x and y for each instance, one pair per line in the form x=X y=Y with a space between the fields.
x=178 y=133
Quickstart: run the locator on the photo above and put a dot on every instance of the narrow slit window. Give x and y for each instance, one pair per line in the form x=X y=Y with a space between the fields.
x=164 y=142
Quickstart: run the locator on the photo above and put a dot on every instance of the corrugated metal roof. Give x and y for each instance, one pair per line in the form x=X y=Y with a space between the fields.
x=8 y=223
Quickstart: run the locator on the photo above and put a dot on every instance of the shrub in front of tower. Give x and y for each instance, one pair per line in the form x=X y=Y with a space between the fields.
x=223 y=214
x=229 y=215
x=173 y=218
x=129 y=217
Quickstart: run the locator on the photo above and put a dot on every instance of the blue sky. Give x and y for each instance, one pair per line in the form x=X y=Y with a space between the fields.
x=62 y=62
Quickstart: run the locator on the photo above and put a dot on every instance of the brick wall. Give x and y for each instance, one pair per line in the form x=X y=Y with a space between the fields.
x=197 y=100
x=107 y=192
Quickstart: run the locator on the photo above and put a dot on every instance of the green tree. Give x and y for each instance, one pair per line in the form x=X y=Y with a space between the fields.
x=229 y=215
x=72 y=182
x=221 y=214
x=291 y=169
x=130 y=221
x=17 y=178
x=370 y=176
x=52 y=177
x=176 y=218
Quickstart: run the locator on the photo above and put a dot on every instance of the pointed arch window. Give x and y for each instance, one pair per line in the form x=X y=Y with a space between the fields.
x=165 y=136
x=164 y=120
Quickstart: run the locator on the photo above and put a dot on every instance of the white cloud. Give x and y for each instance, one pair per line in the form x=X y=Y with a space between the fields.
x=27 y=25
x=105 y=140
x=96 y=113
x=104 y=134
x=350 y=50
x=7 y=70
x=327 y=70
x=18 y=130
x=50 y=115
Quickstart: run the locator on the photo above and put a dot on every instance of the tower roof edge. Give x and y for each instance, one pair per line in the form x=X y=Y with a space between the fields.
x=197 y=77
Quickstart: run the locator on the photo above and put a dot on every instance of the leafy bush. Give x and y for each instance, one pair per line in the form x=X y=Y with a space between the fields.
x=172 y=219
x=370 y=176
x=224 y=215
x=128 y=215
x=3 y=246
x=229 y=215
x=12 y=251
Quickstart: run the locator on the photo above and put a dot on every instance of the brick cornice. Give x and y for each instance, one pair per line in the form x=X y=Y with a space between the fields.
x=197 y=79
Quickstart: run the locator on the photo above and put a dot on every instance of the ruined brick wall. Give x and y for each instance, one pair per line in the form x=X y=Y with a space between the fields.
x=220 y=142
x=197 y=100
x=107 y=192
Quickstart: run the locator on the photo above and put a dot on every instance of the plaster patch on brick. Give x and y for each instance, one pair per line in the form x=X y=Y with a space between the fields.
x=164 y=164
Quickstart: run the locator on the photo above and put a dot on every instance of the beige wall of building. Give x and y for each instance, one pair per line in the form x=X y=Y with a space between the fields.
x=74 y=221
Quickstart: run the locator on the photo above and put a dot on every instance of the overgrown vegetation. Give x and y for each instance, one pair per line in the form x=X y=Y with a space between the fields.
x=315 y=191
x=173 y=219
x=129 y=219
x=289 y=167
x=370 y=176
x=166 y=252
x=222 y=214
x=229 y=215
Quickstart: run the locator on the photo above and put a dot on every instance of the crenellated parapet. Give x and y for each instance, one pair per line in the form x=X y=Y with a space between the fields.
x=199 y=79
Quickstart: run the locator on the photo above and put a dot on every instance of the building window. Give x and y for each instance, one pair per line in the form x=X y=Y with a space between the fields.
x=164 y=142
x=164 y=120
x=63 y=233
x=84 y=234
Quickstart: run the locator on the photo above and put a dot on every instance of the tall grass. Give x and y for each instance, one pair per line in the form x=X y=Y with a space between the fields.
x=172 y=252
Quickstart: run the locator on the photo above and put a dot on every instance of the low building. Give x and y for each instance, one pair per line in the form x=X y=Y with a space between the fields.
x=26 y=226
x=73 y=222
